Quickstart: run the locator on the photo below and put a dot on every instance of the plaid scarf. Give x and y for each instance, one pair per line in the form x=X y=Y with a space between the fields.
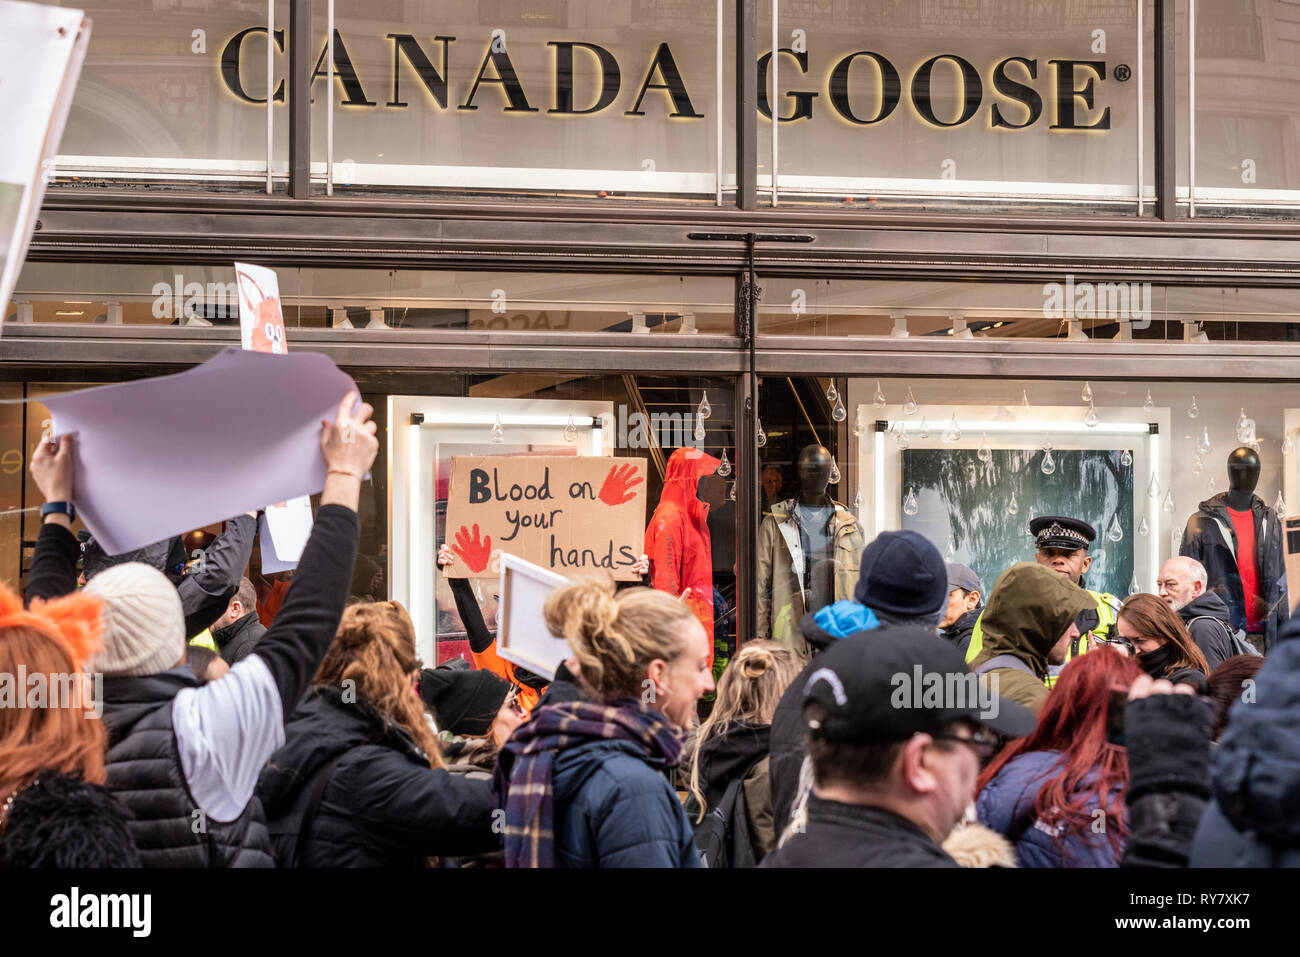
x=530 y=754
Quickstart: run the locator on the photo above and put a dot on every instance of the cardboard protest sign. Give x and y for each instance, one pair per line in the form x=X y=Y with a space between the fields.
x=521 y=638
x=569 y=514
x=261 y=322
x=151 y=460
x=42 y=48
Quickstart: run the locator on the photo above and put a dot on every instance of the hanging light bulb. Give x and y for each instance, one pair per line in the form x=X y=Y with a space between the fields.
x=985 y=453
x=1203 y=445
x=1213 y=486
x=1288 y=447
x=1193 y=410
x=910 y=504
x=699 y=428
x=1024 y=407
x=1090 y=418
x=1149 y=405
x=761 y=439
x=498 y=433
x=724 y=467
x=831 y=392
x=1198 y=465
x=1245 y=429
x=1049 y=463
x=1168 y=504
x=835 y=473
x=1153 y=487
x=1143 y=527
x=924 y=433
x=878 y=400
x=950 y=554
x=909 y=407
x=953 y=432
x=838 y=412
x=1279 y=506
x=1133 y=588
x=859 y=427
x=1013 y=507
x=1086 y=395
x=1126 y=458
x=1115 y=533
x=904 y=442
x=857 y=501
x=570 y=431
x=731 y=496
x=704 y=410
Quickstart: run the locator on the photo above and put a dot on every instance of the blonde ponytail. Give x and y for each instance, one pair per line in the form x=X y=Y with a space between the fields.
x=615 y=637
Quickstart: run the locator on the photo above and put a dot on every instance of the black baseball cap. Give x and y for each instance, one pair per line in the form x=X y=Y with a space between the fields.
x=890 y=684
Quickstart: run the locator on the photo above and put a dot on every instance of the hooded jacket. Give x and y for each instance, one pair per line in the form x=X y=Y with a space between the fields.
x=677 y=538
x=1030 y=608
x=383 y=806
x=742 y=750
x=820 y=630
x=1211 y=540
x=781 y=578
x=1210 y=636
x=1254 y=817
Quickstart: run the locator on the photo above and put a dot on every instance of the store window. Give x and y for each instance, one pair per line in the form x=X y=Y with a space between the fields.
x=153 y=101
x=1066 y=308
x=1156 y=468
x=945 y=105
x=344 y=299
x=1238 y=107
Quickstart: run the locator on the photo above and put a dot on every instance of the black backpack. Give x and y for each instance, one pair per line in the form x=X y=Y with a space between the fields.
x=1237 y=639
x=723 y=837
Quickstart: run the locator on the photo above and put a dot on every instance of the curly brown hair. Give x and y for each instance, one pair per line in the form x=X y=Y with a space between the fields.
x=375 y=648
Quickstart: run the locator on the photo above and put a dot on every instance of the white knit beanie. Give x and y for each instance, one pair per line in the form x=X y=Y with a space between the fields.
x=144 y=626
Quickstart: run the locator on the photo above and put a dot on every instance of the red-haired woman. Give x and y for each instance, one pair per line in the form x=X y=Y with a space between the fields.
x=1058 y=795
x=54 y=810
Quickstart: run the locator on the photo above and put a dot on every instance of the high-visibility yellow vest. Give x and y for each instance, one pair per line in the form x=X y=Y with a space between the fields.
x=1107 y=612
x=204 y=640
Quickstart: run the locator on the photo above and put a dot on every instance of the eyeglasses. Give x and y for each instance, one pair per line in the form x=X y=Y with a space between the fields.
x=1117 y=640
x=983 y=742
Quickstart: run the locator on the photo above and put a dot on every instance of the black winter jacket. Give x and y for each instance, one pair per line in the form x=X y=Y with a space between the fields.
x=1254 y=818
x=145 y=774
x=1212 y=541
x=1209 y=636
x=851 y=835
x=237 y=640
x=383 y=806
x=960 y=631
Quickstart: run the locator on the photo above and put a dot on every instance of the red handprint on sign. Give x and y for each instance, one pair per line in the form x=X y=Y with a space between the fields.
x=474 y=552
x=620 y=479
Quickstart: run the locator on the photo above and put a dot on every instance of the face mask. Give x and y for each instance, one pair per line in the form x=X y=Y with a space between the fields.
x=1156 y=663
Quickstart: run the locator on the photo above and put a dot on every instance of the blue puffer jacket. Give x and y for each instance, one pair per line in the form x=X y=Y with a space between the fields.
x=615 y=808
x=1007 y=806
x=1254 y=818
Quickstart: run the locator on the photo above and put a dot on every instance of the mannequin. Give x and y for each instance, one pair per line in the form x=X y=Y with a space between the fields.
x=808 y=554
x=1249 y=575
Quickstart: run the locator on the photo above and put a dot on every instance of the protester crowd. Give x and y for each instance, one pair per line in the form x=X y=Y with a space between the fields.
x=1040 y=725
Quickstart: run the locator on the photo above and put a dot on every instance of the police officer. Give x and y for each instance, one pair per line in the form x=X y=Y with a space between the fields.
x=1062 y=545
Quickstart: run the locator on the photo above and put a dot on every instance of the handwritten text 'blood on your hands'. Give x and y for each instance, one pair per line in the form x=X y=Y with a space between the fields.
x=614 y=491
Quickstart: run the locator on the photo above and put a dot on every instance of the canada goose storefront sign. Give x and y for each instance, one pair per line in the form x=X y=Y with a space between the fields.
x=565 y=78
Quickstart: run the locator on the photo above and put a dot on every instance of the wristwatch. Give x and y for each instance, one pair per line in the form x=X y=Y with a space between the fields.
x=67 y=508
